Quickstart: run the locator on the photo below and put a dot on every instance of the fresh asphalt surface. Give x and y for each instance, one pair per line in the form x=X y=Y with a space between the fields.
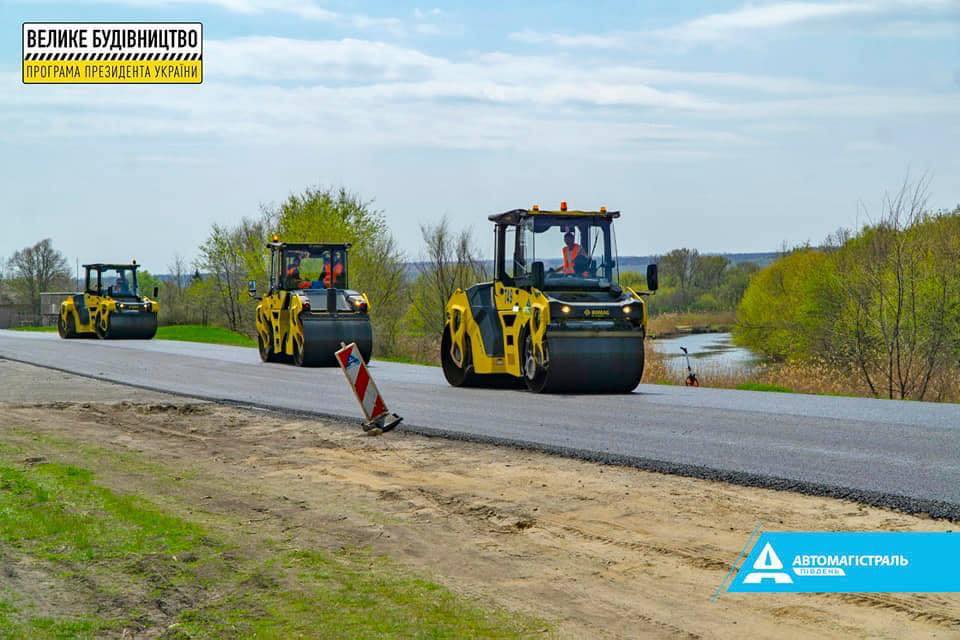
x=904 y=455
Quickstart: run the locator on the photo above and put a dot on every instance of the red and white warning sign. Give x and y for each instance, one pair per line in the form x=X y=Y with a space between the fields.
x=374 y=408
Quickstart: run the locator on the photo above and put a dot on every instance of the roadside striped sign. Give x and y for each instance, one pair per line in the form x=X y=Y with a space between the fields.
x=365 y=389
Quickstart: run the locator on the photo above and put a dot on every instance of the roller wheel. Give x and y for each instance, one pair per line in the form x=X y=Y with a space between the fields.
x=265 y=347
x=299 y=358
x=533 y=373
x=103 y=326
x=457 y=376
x=67 y=328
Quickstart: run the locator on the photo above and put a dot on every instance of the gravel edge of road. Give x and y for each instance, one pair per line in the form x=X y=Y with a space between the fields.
x=913 y=506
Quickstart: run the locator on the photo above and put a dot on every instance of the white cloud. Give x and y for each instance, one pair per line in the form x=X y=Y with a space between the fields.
x=308 y=9
x=365 y=92
x=722 y=26
x=421 y=14
x=728 y=26
x=719 y=26
x=582 y=40
x=919 y=29
x=321 y=61
x=363 y=22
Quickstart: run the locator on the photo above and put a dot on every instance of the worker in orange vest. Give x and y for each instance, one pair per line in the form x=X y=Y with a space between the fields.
x=570 y=252
x=333 y=271
x=293 y=275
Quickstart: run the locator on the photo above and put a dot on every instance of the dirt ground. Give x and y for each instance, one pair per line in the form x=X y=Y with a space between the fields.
x=597 y=550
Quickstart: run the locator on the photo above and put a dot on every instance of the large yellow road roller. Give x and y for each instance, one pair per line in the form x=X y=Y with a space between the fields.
x=110 y=306
x=308 y=311
x=554 y=316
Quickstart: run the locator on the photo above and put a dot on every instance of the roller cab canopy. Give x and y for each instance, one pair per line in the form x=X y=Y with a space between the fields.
x=576 y=249
x=514 y=216
x=308 y=265
x=118 y=279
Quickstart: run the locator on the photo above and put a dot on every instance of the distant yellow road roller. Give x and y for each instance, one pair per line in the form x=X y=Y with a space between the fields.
x=308 y=311
x=554 y=316
x=110 y=306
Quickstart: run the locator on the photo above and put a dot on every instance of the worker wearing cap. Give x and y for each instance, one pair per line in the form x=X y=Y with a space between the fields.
x=570 y=252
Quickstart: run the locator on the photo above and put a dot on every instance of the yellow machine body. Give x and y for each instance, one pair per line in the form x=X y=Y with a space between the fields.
x=308 y=311
x=108 y=311
x=554 y=333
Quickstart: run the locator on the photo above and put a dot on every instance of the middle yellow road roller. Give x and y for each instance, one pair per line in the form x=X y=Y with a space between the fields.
x=554 y=317
x=309 y=312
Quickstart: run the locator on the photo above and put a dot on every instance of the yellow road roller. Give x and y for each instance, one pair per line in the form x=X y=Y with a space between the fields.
x=309 y=311
x=555 y=316
x=110 y=306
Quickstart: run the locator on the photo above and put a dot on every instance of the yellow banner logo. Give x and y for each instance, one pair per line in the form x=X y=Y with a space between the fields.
x=112 y=53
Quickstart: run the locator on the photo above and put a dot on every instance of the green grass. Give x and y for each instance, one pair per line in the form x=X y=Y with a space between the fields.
x=404 y=360
x=100 y=546
x=12 y=625
x=346 y=594
x=185 y=333
x=54 y=515
x=759 y=386
x=57 y=513
x=199 y=333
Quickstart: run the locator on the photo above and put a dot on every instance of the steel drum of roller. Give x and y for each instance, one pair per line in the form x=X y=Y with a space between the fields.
x=597 y=363
x=323 y=337
x=129 y=326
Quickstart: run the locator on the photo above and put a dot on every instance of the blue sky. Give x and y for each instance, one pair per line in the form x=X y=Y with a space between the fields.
x=723 y=126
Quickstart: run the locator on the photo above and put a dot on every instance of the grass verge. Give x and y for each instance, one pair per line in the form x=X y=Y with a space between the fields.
x=84 y=559
x=760 y=386
x=200 y=333
x=184 y=333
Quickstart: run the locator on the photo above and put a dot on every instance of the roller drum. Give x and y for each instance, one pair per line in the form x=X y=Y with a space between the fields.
x=131 y=326
x=323 y=336
x=594 y=363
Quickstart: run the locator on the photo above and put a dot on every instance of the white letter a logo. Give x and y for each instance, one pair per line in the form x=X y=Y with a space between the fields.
x=768 y=560
x=767 y=566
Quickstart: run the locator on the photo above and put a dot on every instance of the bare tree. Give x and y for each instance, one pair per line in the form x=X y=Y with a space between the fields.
x=680 y=265
x=708 y=271
x=222 y=257
x=450 y=261
x=901 y=285
x=173 y=291
x=36 y=269
x=381 y=273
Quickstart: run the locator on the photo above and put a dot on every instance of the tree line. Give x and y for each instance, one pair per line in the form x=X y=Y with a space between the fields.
x=695 y=283
x=407 y=298
x=881 y=304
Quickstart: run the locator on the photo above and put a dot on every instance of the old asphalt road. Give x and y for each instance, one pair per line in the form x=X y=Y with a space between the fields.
x=904 y=455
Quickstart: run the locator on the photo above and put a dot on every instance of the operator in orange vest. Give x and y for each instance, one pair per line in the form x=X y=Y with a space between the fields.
x=570 y=252
x=293 y=275
x=333 y=271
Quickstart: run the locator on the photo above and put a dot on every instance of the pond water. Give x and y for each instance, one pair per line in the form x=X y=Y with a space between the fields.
x=708 y=351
